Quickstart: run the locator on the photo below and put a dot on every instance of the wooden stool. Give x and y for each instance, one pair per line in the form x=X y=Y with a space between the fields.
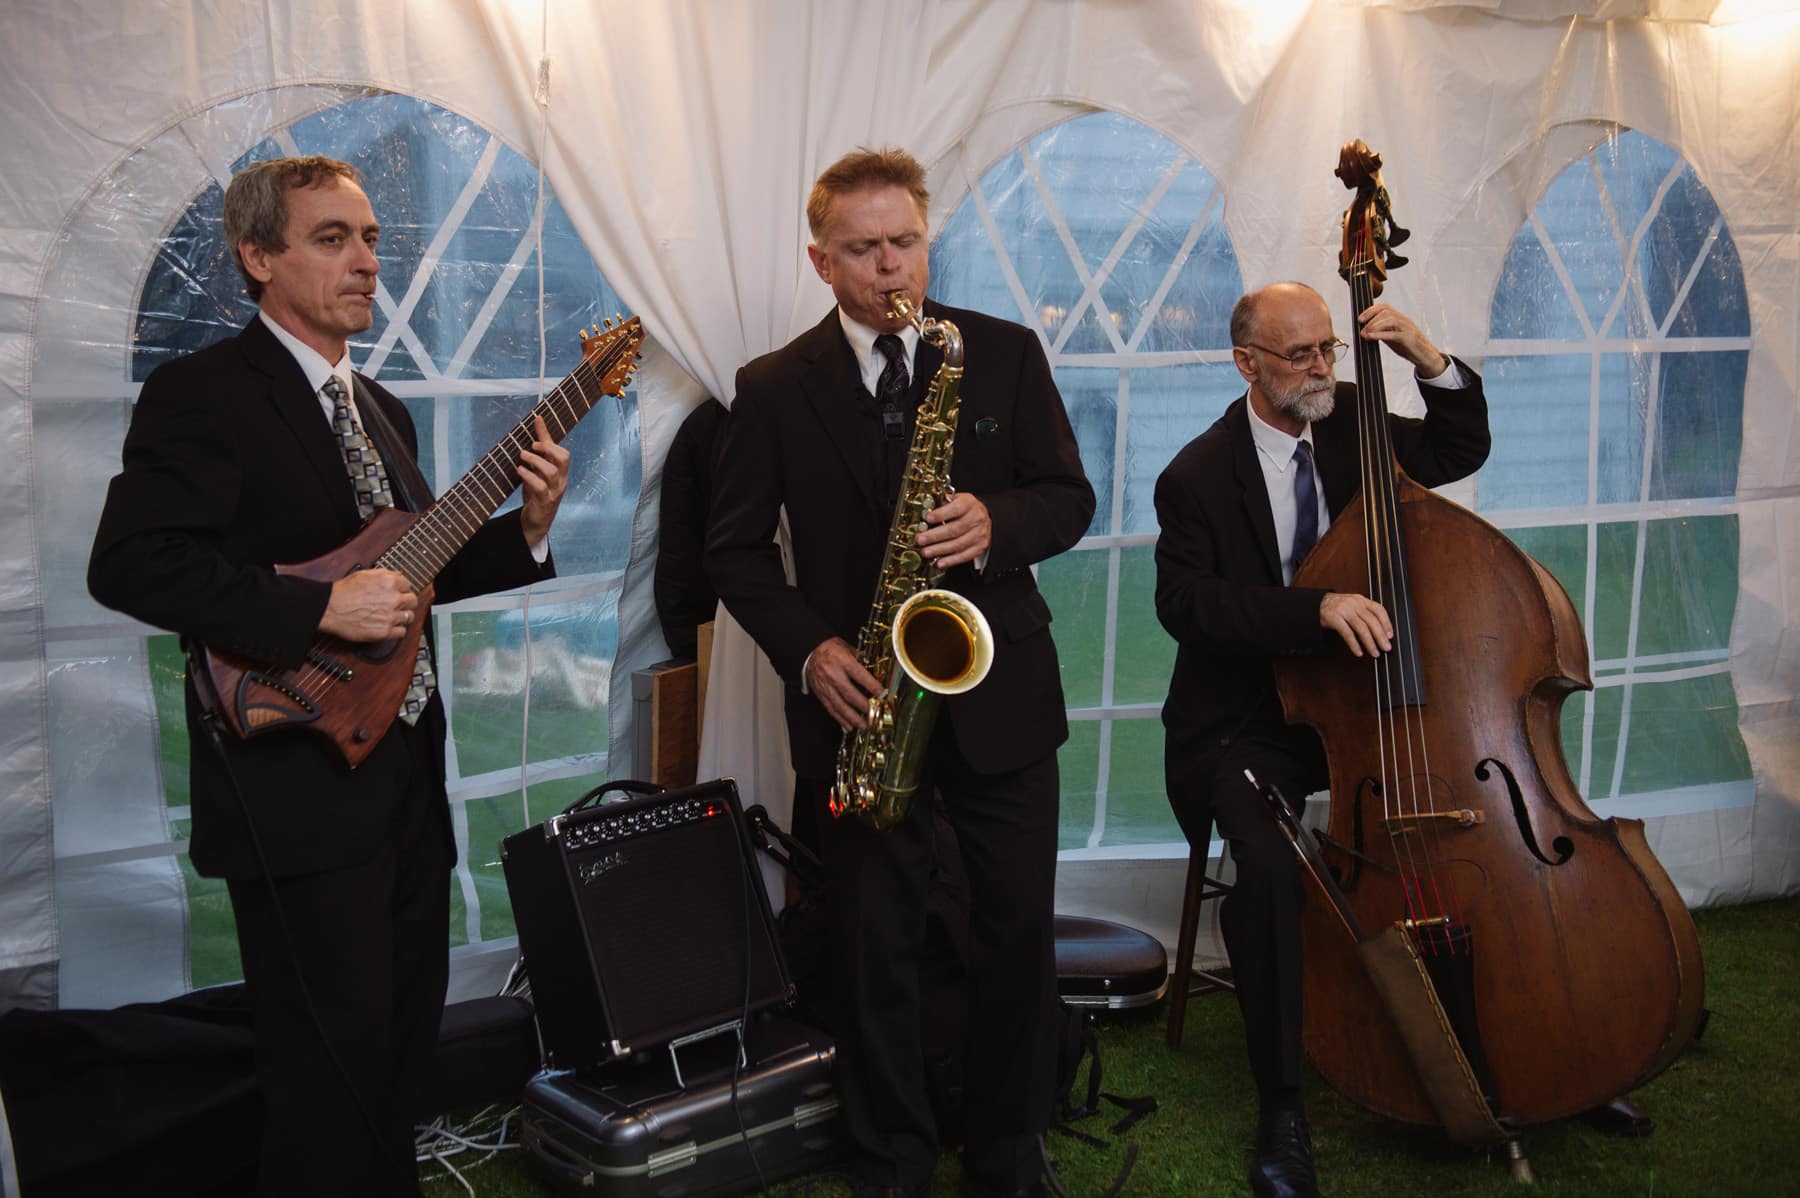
x=1188 y=982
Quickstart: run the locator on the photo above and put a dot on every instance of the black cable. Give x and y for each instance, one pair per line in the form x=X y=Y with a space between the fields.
x=210 y=720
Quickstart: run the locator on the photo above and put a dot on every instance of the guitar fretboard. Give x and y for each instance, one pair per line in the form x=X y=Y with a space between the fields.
x=446 y=526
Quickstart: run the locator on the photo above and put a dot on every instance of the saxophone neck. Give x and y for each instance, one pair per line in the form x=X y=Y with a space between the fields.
x=940 y=333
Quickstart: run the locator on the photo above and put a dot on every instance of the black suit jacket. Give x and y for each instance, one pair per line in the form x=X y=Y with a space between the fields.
x=1219 y=591
x=230 y=467
x=795 y=438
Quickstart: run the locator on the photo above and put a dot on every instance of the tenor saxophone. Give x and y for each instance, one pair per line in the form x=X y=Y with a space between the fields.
x=921 y=641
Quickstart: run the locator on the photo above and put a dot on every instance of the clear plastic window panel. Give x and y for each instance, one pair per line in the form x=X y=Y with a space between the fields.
x=1109 y=240
x=1619 y=341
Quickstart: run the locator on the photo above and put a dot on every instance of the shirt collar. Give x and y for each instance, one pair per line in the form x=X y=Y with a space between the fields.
x=862 y=342
x=1271 y=442
x=312 y=363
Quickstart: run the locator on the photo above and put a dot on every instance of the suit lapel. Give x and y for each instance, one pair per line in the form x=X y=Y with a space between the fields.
x=299 y=409
x=830 y=383
x=1253 y=487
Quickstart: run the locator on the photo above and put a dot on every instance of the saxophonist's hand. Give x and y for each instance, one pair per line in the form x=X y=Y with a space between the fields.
x=960 y=531
x=838 y=681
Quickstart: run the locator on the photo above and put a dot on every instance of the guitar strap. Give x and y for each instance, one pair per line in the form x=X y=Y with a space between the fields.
x=404 y=476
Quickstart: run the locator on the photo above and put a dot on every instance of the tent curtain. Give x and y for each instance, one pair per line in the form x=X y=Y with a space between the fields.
x=680 y=139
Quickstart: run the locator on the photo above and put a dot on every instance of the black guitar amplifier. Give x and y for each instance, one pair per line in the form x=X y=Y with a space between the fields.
x=641 y=920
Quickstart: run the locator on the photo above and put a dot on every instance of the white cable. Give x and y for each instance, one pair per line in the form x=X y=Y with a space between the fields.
x=438 y=1142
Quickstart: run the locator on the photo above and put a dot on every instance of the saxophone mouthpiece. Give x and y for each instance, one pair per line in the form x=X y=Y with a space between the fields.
x=900 y=305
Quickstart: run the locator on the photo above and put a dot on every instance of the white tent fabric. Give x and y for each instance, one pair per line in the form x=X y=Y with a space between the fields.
x=680 y=139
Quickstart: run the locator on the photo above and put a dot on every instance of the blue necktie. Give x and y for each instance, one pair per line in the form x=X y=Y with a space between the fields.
x=1306 y=505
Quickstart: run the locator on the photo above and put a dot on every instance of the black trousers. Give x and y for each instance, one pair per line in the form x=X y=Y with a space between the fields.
x=1006 y=829
x=371 y=946
x=1260 y=918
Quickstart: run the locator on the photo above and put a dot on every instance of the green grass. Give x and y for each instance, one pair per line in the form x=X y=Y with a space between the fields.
x=1725 y=1118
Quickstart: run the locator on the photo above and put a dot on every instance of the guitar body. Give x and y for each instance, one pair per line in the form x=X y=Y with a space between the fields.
x=350 y=693
x=346 y=692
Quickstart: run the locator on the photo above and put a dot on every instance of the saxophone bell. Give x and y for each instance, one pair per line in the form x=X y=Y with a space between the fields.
x=943 y=642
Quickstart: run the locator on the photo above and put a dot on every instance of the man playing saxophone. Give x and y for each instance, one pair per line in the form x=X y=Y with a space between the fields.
x=822 y=428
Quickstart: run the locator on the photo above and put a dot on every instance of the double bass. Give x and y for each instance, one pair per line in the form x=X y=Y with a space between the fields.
x=1565 y=958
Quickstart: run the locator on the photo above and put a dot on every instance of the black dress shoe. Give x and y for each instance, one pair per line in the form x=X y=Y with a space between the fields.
x=1283 y=1167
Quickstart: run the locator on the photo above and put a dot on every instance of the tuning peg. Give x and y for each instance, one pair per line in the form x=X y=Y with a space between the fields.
x=609 y=322
x=582 y=333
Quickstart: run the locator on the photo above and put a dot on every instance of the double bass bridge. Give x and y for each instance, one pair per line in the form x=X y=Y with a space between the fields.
x=1417 y=821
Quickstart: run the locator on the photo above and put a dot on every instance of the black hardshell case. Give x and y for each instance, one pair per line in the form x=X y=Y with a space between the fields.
x=627 y=1129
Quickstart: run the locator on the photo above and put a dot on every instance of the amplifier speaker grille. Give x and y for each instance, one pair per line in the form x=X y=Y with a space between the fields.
x=639 y=921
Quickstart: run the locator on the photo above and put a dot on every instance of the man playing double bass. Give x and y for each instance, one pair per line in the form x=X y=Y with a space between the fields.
x=1238 y=508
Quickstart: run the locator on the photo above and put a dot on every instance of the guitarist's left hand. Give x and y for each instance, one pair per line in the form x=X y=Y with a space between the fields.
x=544 y=473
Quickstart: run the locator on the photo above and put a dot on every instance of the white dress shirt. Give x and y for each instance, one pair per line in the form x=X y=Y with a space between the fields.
x=313 y=364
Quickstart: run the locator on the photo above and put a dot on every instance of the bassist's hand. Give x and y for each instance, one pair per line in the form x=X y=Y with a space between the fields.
x=369 y=605
x=1362 y=622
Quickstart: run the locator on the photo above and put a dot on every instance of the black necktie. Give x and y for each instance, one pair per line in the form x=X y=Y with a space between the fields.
x=1306 y=505
x=890 y=388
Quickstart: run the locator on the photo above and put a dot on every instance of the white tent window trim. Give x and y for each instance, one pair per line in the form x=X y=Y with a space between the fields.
x=1110 y=240
x=1619 y=335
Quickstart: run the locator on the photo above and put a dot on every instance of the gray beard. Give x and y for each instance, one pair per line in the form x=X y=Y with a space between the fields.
x=1308 y=405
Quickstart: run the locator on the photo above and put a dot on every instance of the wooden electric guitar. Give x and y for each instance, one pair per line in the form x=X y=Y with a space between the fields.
x=350 y=693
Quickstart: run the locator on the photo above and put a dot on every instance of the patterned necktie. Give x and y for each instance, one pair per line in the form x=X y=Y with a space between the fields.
x=1306 y=505
x=369 y=479
x=890 y=388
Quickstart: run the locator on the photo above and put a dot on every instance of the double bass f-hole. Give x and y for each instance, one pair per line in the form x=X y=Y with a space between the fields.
x=1562 y=846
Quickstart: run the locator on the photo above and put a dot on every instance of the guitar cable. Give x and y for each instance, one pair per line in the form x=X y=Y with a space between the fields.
x=742 y=853
x=213 y=722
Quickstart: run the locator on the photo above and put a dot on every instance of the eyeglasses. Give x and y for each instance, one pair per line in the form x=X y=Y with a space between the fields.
x=1331 y=351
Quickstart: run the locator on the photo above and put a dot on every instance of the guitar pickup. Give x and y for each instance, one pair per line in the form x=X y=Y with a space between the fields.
x=331 y=665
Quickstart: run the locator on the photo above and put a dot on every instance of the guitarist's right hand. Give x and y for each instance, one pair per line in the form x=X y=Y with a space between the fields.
x=369 y=605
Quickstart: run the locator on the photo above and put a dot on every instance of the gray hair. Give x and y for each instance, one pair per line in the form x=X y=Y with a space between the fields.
x=256 y=203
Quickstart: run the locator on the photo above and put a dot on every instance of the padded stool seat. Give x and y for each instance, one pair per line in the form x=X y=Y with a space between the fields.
x=1102 y=964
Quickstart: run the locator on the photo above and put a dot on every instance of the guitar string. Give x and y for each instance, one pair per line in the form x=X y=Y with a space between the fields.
x=319 y=680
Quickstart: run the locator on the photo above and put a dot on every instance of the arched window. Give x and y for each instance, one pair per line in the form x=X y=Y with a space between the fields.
x=1109 y=240
x=1619 y=337
x=468 y=333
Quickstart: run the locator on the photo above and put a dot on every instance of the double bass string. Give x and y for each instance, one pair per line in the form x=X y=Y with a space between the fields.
x=1403 y=754
x=1412 y=801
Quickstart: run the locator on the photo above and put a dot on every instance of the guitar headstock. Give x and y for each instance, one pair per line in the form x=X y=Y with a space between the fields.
x=612 y=352
x=1369 y=229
